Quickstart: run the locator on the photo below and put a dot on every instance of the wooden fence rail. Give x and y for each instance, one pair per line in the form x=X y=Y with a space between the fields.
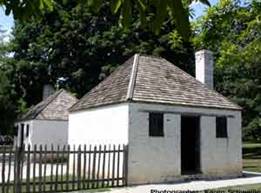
x=62 y=169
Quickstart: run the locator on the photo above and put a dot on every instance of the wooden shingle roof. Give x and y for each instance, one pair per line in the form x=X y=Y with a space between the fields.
x=155 y=80
x=54 y=107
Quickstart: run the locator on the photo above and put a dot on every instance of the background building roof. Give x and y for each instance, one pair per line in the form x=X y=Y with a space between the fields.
x=54 y=107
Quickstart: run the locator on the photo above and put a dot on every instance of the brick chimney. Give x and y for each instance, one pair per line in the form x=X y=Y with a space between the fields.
x=47 y=91
x=204 y=67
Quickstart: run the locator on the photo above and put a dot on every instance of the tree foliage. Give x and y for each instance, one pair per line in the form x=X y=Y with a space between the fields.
x=26 y=8
x=7 y=105
x=75 y=48
x=233 y=32
x=151 y=13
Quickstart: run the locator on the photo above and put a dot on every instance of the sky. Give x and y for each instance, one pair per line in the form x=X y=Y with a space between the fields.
x=199 y=8
x=7 y=22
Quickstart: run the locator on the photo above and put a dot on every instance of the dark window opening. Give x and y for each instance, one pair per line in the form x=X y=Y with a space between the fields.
x=156 y=124
x=16 y=131
x=22 y=135
x=27 y=130
x=221 y=127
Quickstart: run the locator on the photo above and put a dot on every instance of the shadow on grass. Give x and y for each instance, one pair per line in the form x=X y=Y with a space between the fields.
x=252 y=151
x=252 y=157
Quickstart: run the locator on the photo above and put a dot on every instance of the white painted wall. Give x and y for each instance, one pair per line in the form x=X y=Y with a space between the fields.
x=153 y=159
x=101 y=125
x=27 y=140
x=159 y=159
x=45 y=132
x=221 y=156
x=49 y=132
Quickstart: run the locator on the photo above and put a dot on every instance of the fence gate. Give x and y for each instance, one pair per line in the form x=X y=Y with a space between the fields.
x=61 y=169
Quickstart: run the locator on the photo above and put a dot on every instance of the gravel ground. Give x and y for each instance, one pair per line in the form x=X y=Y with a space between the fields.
x=252 y=178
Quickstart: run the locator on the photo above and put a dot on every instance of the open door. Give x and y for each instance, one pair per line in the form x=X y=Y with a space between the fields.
x=190 y=144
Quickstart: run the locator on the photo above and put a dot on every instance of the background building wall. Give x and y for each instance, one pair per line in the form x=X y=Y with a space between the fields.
x=27 y=140
x=48 y=132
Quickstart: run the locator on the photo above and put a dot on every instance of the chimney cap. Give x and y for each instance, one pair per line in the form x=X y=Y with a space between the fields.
x=204 y=51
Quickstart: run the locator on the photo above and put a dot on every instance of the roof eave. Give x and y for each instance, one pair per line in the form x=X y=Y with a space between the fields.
x=99 y=105
x=236 y=108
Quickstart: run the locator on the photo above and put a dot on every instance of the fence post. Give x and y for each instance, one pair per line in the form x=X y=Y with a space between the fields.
x=28 y=165
x=9 y=169
x=3 y=170
x=125 y=164
x=79 y=165
x=19 y=162
x=19 y=168
x=100 y=165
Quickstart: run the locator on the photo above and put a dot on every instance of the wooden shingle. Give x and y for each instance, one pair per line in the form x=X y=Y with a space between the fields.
x=154 y=80
x=54 y=107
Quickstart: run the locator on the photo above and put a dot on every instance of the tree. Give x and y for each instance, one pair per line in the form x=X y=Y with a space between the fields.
x=233 y=32
x=10 y=103
x=151 y=12
x=76 y=48
x=7 y=107
x=26 y=8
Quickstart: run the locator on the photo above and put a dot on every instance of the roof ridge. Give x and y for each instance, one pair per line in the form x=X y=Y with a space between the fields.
x=95 y=88
x=133 y=76
x=39 y=107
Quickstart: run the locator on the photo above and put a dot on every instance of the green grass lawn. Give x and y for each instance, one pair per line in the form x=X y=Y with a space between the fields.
x=256 y=187
x=251 y=162
x=252 y=157
x=58 y=187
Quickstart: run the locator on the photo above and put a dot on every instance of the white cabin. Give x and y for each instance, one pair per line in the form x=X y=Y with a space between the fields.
x=47 y=122
x=175 y=125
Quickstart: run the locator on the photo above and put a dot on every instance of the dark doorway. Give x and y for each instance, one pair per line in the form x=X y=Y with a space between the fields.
x=190 y=144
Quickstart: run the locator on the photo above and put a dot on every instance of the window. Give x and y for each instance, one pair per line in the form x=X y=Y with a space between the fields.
x=221 y=127
x=16 y=131
x=156 y=124
x=27 y=130
x=21 y=134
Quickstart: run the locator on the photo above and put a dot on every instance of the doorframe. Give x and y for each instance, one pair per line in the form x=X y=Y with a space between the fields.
x=198 y=169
